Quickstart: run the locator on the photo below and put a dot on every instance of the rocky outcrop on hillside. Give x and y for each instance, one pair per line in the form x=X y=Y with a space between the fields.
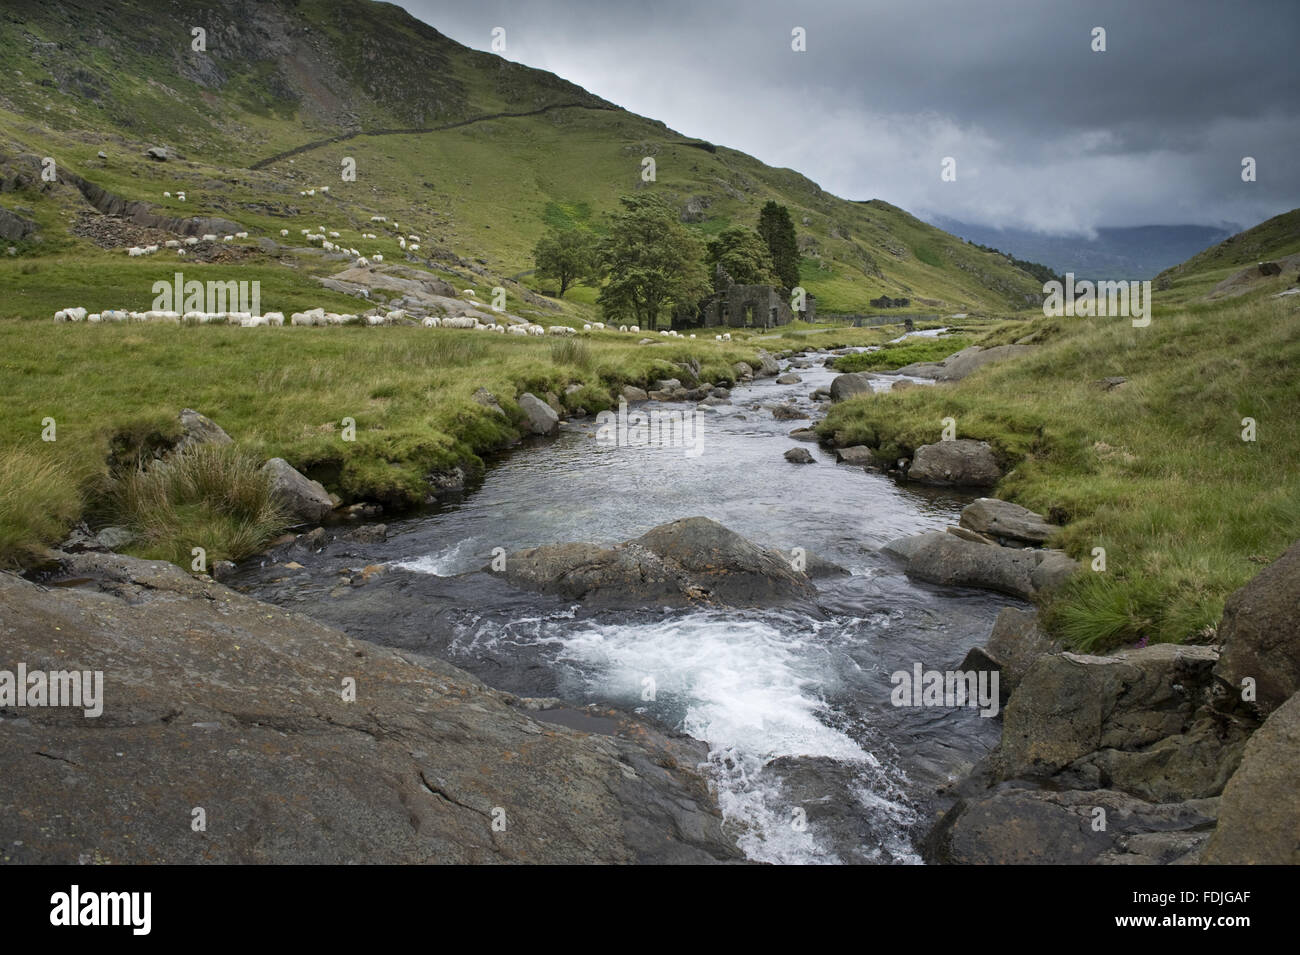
x=228 y=735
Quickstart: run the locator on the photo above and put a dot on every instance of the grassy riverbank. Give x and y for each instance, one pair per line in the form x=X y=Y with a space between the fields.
x=116 y=390
x=1155 y=471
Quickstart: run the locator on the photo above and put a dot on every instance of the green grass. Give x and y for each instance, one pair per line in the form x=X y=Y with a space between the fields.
x=894 y=356
x=283 y=392
x=1155 y=472
x=211 y=496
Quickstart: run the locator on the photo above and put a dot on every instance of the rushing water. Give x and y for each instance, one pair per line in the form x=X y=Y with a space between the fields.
x=795 y=707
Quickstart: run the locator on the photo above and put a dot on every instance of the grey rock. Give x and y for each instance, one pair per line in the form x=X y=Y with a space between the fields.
x=953 y=562
x=541 y=417
x=1028 y=826
x=1132 y=718
x=488 y=400
x=1016 y=643
x=632 y=393
x=799 y=456
x=743 y=370
x=694 y=561
x=198 y=428
x=848 y=385
x=1259 y=819
x=1004 y=520
x=789 y=379
x=859 y=455
x=1261 y=639
x=787 y=413
x=305 y=500
x=114 y=538
x=410 y=773
x=804 y=434
x=959 y=463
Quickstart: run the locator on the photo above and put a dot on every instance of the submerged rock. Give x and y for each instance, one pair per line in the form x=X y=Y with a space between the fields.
x=691 y=561
x=799 y=456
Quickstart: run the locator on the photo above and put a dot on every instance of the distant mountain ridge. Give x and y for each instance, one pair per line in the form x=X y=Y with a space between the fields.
x=1133 y=252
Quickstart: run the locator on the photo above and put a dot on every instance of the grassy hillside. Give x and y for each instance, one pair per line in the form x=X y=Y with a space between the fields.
x=1155 y=471
x=82 y=78
x=1195 y=279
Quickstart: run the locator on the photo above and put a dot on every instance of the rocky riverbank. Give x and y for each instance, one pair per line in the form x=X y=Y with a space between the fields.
x=233 y=731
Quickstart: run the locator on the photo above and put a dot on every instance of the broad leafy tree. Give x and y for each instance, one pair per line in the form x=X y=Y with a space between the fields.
x=567 y=256
x=654 y=263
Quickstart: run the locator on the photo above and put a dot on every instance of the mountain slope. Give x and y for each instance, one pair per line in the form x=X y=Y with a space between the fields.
x=1231 y=268
x=422 y=117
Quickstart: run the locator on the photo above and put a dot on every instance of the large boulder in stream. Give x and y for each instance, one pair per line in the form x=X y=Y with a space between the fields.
x=213 y=699
x=686 y=562
x=957 y=463
x=950 y=561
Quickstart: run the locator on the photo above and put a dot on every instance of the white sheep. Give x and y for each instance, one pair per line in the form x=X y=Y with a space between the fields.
x=459 y=321
x=209 y=237
x=377 y=257
x=167 y=195
x=634 y=328
x=94 y=317
x=192 y=240
x=180 y=196
x=379 y=218
x=599 y=325
x=431 y=322
x=241 y=235
x=536 y=330
x=172 y=244
x=586 y=327
x=284 y=232
x=274 y=318
x=518 y=330
x=560 y=330
x=622 y=328
x=415 y=247
x=363 y=262
x=401 y=243
x=334 y=235
x=324 y=188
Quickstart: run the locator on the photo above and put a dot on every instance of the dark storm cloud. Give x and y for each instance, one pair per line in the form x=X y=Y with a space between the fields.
x=1047 y=134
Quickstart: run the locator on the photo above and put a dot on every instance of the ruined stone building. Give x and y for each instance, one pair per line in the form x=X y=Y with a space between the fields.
x=753 y=306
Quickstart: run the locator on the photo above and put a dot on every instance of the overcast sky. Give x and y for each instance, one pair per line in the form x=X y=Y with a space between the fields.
x=1046 y=133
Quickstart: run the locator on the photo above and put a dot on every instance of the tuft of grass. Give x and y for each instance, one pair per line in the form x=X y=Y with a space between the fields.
x=572 y=351
x=212 y=496
x=37 y=503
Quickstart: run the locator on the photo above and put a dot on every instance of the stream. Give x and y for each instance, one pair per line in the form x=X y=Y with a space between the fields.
x=810 y=760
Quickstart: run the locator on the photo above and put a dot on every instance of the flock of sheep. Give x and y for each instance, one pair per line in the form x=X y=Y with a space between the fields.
x=318 y=316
